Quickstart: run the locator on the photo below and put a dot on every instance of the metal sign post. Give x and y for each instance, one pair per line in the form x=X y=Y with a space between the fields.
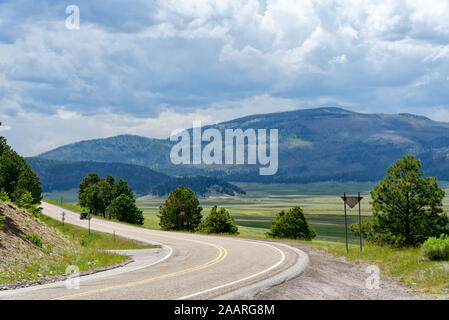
x=346 y=224
x=88 y=218
x=360 y=223
x=352 y=202
x=63 y=218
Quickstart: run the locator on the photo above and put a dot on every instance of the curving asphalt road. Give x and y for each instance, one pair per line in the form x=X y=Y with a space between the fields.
x=189 y=266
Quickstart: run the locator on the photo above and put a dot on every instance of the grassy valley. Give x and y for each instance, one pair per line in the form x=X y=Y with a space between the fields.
x=254 y=211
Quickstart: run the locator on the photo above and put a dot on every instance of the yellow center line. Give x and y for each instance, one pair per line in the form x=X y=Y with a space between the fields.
x=222 y=253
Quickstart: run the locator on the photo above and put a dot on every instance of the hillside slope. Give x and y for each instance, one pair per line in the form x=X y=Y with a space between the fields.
x=18 y=252
x=64 y=175
x=314 y=145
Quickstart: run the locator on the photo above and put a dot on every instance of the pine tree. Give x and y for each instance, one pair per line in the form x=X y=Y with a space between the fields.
x=219 y=221
x=123 y=208
x=181 y=211
x=407 y=207
x=291 y=225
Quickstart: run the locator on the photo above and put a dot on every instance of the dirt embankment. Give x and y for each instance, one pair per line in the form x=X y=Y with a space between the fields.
x=331 y=278
x=21 y=254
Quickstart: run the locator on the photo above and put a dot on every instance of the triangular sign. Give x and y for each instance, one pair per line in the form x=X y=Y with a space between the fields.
x=351 y=201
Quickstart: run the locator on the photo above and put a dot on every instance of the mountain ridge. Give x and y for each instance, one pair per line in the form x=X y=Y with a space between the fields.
x=319 y=144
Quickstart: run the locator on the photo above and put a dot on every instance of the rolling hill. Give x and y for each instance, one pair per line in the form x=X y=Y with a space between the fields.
x=65 y=175
x=319 y=144
x=58 y=175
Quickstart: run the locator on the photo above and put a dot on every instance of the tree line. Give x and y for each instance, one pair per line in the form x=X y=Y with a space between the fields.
x=109 y=198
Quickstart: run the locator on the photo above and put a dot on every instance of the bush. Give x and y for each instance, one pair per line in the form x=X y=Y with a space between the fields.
x=4 y=196
x=218 y=221
x=291 y=225
x=436 y=248
x=2 y=221
x=36 y=212
x=34 y=239
x=25 y=200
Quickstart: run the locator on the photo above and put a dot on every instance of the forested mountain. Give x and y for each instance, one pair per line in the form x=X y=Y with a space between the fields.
x=314 y=145
x=65 y=175
x=202 y=186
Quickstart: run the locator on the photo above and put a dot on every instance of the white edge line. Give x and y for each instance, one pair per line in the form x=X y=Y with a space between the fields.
x=91 y=277
x=250 y=291
x=243 y=279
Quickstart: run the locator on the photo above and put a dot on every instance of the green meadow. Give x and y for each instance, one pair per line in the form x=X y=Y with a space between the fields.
x=254 y=211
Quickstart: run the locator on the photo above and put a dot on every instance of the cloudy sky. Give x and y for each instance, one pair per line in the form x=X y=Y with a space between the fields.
x=148 y=67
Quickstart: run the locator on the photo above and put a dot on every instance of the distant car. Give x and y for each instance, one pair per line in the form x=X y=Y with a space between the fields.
x=84 y=215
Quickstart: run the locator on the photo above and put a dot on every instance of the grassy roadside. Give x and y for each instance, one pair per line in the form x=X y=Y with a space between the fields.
x=405 y=265
x=56 y=247
x=69 y=206
x=95 y=240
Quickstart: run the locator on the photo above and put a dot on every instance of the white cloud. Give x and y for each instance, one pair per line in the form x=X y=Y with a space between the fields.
x=153 y=66
x=438 y=113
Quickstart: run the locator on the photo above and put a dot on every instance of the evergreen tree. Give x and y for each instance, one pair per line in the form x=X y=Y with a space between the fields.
x=181 y=211
x=291 y=225
x=407 y=207
x=16 y=176
x=219 y=221
x=123 y=208
x=121 y=187
x=95 y=201
x=92 y=178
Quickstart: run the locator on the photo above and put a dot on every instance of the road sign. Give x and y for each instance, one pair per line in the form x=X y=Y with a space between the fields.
x=352 y=201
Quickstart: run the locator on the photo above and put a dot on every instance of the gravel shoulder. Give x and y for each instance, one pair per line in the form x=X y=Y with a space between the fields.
x=331 y=278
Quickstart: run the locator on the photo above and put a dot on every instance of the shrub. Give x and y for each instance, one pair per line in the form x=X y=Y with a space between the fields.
x=436 y=248
x=218 y=221
x=4 y=196
x=2 y=221
x=34 y=239
x=291 y=225
x=25 y=200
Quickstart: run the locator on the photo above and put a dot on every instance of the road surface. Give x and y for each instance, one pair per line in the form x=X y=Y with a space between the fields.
x=189 y=266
